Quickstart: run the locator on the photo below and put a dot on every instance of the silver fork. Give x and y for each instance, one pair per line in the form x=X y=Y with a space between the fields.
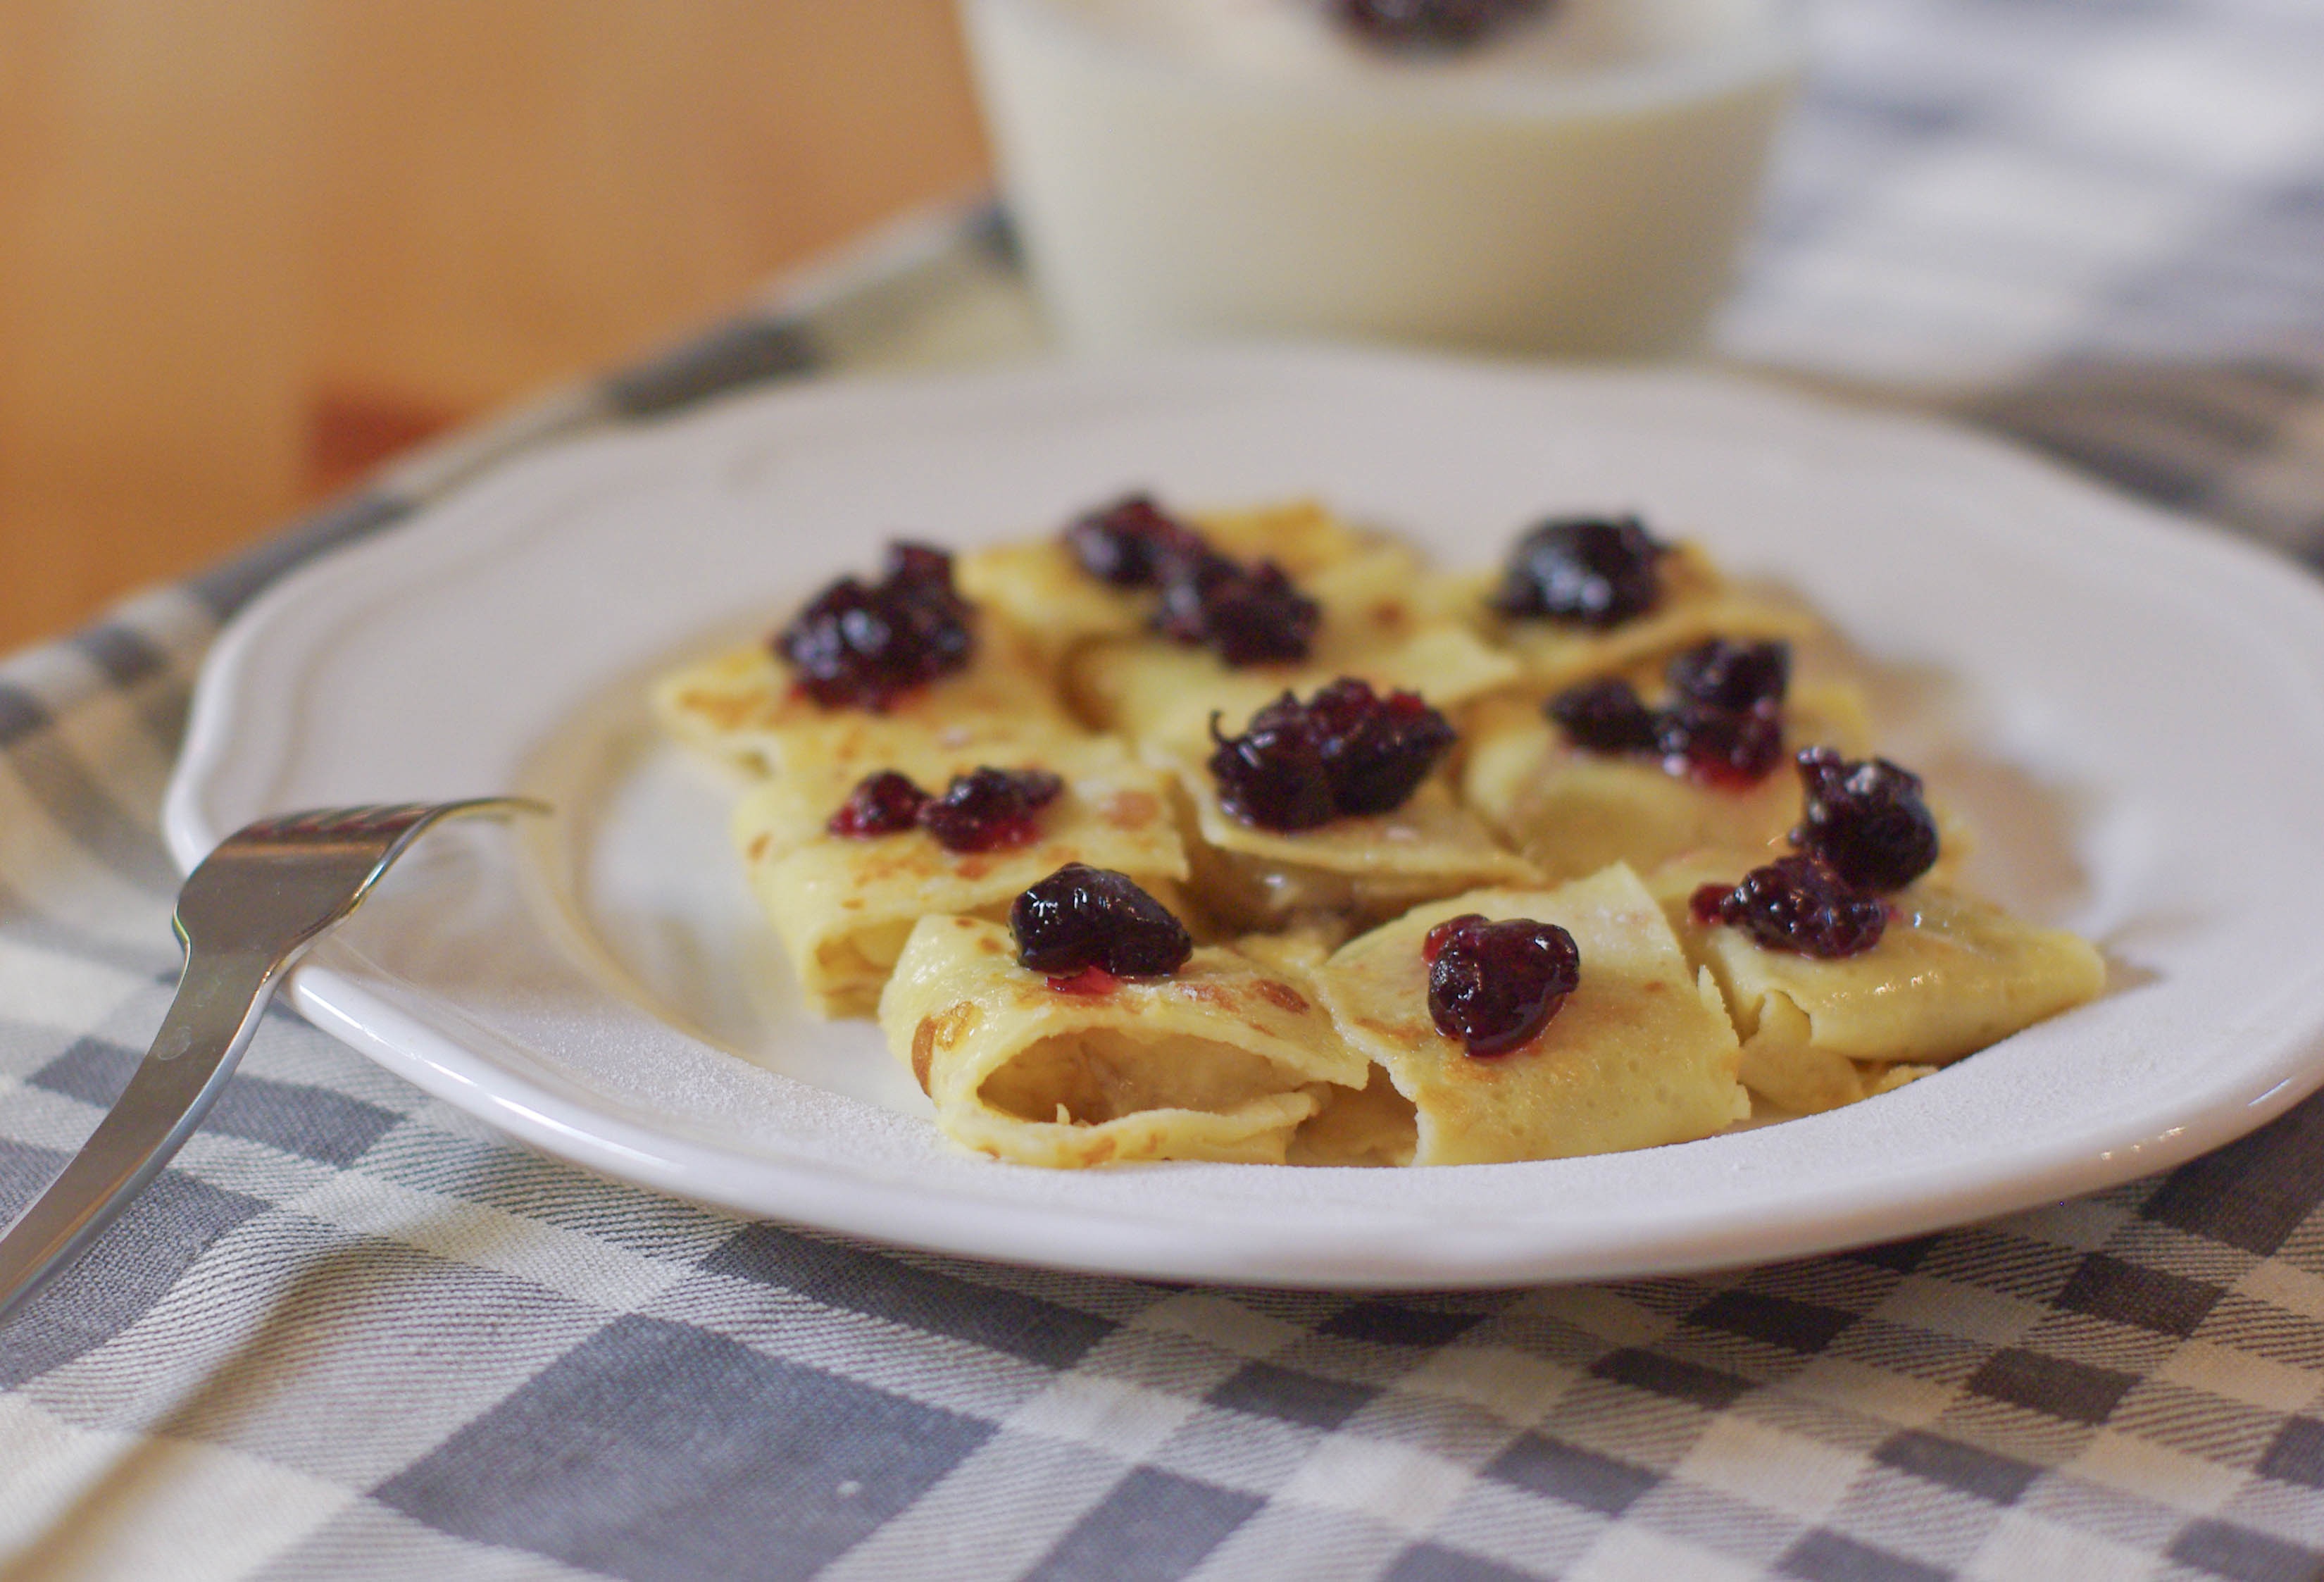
x=253 y=907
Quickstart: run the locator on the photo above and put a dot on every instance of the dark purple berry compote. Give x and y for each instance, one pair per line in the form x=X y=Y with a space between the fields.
x=1273 y=775
x=1495 y=986
x=1377 y=749
x=1606 y=716
x=1725 y=674
x=1865 y=830
x=924 y=573
x=1093 y=982
x=1866 y=818
x=1795 y=903
x=1722 y=727
x=991 y=809
x=1347 y=751
x=885 y=803
x=1246 y=614
x=859 y=645
x=1590 y=570
x=987 y=810
x=1729 y=747
x=1131 y=542
x=1430 y=25
x=1080 y=917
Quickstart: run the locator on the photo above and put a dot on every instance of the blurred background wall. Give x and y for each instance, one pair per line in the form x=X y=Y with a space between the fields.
x=247 y=249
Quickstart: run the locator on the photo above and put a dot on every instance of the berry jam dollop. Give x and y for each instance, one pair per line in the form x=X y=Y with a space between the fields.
x=885 y=803
x=1866 y=818
x=1720 y=746
x=1428 y=25
x=1092 y=982
x=1723 y=725
x=1132 y=542
x=987 y=810
x=1494 y=985
x=1594 y=571
x=1606 y=716
x=1273 y=775
x=859 y=645
x=1080 y=917
x=1347 y=751
x=1795 y=903
x=1246 y=614
x=1725 y=674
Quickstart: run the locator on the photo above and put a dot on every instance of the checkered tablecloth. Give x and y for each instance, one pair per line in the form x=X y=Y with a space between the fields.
x=351 y=1333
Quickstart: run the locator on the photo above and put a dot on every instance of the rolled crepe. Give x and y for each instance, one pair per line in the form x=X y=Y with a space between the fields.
x=844 y=906
x=1572 y=812
x=1697 y=600
x=741 y=706
x=1377 y=626
x=1640 y=1054
x=1040 y=590
x=1951 y=975
x=1303 y=536
x=1357 y=871
x=1221 y=1060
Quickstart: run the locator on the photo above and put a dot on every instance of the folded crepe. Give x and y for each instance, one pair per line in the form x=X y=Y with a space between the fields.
x=1951 y=975
x=1640 y=1054
x=1572 y=812
x=1357 y=870
x=1696 y=601
x=844 y=906
x=1387 y=620
x=741 y=706
x=1040 y=590
x=1220 y=1060
x=1375 y=627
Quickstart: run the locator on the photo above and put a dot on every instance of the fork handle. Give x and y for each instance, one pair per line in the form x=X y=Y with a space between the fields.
x=218 y=1003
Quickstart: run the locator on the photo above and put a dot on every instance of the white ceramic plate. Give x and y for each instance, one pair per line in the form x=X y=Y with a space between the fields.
x=2142 y=696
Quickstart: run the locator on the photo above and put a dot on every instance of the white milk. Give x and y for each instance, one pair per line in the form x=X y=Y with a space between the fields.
x=1578 y=184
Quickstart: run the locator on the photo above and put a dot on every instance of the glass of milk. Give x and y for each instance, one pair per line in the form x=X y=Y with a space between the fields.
x=1575 y=184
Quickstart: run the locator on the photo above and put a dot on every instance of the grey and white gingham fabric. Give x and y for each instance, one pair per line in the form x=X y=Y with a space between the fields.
x=350 y=1333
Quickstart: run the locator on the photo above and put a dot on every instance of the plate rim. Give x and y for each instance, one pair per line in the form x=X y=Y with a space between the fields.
x=885 y=1211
